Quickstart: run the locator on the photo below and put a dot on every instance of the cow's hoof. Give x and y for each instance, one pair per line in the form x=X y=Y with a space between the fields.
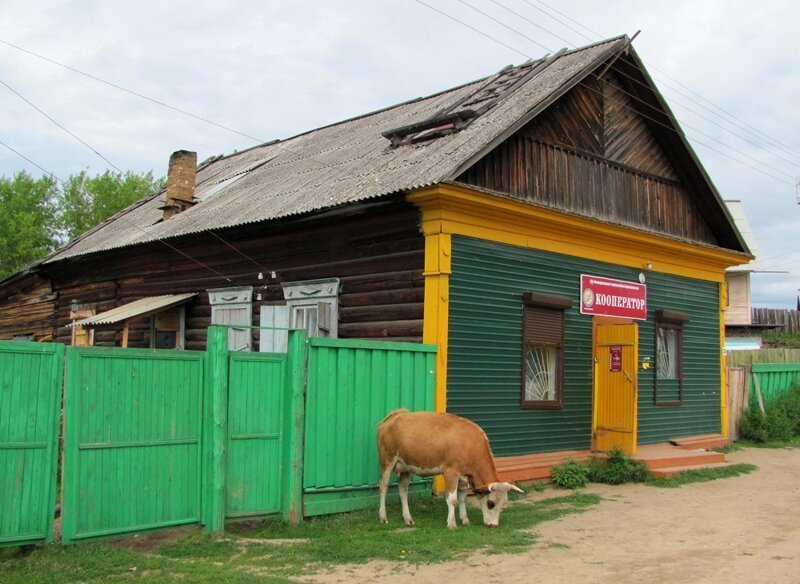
x=410 y=522
x=451 y=527
x=383 y=520
x=465 y=522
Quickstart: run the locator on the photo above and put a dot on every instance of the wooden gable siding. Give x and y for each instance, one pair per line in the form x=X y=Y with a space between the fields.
x=378 y=254
x=591 y=154
x=28 y=305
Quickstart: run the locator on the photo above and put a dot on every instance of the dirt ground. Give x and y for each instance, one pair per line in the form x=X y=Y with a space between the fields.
x=743 y=529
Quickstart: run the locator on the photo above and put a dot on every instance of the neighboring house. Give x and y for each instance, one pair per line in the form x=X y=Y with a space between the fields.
x=506 y=220
x=27 y=308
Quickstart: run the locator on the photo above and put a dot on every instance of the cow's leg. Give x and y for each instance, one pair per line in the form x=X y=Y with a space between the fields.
x=404 y=478
x=463 y=484
x=451 y=493
x=386 y=474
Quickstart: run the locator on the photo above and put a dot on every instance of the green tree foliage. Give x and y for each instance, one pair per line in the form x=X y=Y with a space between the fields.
x=38 y=215
x=27 y=217
x=88 y=201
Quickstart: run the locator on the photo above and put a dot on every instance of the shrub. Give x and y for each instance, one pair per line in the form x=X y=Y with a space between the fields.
x=789 y=404
x=753 y=425
x=570 y=475
x=617 y=469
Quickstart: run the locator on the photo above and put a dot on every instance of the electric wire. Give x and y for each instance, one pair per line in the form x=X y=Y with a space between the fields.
x=668 y=127
x=38 y=109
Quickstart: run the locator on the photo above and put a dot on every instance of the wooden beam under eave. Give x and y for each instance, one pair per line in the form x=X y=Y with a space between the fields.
x=125 y=335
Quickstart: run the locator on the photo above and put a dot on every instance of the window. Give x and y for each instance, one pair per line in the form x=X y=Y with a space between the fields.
x=168 y=329
x=543 y=350
x=234 y=306
x=314 y=306
x=669 y=357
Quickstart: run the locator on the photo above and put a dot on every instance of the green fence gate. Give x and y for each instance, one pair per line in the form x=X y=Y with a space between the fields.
x=132 y=448
x=352 y=385
x=30 y=400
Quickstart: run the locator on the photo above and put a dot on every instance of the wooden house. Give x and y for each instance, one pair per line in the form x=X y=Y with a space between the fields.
x=548 y=227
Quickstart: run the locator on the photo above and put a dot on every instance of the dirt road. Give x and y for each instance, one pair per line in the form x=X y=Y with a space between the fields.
x=744 y=529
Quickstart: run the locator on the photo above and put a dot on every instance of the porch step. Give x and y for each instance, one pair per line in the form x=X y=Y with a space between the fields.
x=705 y=442
x=671 y=457
x=532 y=467
x=671 y=471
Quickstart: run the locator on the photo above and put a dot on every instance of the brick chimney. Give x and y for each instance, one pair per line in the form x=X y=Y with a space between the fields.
x=180 y=182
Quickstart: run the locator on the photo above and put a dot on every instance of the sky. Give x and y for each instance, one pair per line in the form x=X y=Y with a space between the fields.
x=257 y=70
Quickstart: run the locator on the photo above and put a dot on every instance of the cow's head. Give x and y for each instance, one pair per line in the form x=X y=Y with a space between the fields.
x=492 y=499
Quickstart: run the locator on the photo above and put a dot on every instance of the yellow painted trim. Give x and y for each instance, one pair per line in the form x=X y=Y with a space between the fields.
x=723 y=377
x=462 y=211
x=436 y=307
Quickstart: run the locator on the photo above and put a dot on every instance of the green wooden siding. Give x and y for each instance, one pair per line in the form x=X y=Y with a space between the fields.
x=484 y=349
x=30 y=397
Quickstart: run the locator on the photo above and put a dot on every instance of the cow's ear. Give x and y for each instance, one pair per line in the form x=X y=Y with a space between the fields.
x=481 y=491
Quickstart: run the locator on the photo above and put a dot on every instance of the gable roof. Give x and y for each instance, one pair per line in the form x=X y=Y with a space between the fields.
x=403 y=147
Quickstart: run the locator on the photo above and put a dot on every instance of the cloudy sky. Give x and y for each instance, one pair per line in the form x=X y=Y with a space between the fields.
x=266 y=69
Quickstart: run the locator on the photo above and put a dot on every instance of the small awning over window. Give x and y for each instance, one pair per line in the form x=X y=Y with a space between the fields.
x=136 y=309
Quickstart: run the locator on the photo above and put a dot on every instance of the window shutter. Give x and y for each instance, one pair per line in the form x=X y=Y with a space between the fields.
x=324 y=313
x=274 y=341
x=542 y=325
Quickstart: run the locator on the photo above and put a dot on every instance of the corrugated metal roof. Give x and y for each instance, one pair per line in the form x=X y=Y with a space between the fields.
x=136 y=309
x=349 y=161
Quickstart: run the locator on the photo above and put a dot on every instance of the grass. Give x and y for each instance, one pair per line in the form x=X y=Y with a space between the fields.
x=793 y=443
x=274 y=552
x=701 y=475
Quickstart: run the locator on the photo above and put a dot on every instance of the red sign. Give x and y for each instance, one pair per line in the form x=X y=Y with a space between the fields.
x=608 y=297
x=615 y=358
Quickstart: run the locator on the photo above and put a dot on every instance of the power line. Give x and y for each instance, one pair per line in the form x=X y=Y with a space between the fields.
x=730 y=119
x=123 y=218
x=38 y=109
x=668 y=127
x=135 y=93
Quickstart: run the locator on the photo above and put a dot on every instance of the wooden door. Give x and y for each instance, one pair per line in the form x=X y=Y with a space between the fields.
x=615 y=387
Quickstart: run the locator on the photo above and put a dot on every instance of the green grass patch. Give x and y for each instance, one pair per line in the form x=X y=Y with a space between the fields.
x=791 y=443
x=275 y=552
x=701 y=475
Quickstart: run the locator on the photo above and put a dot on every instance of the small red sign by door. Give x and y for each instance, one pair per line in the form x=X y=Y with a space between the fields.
x=615 y=358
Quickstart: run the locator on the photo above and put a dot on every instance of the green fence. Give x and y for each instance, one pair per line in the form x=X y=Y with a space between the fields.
x=352 y=385
x=132 y=449
x=774 y=380
x=158 y=438
x=30 y=396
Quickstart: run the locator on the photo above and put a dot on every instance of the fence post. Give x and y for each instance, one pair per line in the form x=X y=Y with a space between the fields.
x=294 y=419
x=215 y=429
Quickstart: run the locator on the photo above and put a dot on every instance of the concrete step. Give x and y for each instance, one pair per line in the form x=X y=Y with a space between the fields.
x=671 y=471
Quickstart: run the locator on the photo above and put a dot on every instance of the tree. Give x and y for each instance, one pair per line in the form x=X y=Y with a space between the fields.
x=27 y=220
x=88 y=201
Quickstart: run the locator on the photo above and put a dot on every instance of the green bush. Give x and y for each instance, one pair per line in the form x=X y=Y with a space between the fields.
x=617 y=469
x=570 y=475
x=780 y=424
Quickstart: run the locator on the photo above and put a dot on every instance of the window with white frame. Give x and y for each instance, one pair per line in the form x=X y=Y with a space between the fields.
x=234 y=306
x=314 y=306
x=669 y=357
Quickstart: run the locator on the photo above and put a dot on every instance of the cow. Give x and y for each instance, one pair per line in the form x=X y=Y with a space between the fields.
x=428 y=443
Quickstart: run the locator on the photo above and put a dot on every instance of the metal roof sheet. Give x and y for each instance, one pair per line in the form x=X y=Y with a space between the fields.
x=136 y=309
x=349 y=161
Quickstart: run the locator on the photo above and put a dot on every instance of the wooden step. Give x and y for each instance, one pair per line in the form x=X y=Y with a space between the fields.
x=531 y=467
x=679 y=457
x=706 y=442
x=671 y=471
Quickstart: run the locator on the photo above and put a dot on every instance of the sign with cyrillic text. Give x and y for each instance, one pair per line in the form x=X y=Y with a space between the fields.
x=609 y=297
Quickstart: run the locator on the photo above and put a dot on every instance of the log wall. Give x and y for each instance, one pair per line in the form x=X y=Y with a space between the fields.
x=27 y=302
x=376 y=251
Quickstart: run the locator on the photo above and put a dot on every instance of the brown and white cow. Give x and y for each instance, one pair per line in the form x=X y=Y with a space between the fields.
x=428 y=443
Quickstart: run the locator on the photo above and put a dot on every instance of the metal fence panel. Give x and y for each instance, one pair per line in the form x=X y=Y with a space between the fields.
x=132 y=453
x=30 y=399
x=256 y=386
x=352 y=385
